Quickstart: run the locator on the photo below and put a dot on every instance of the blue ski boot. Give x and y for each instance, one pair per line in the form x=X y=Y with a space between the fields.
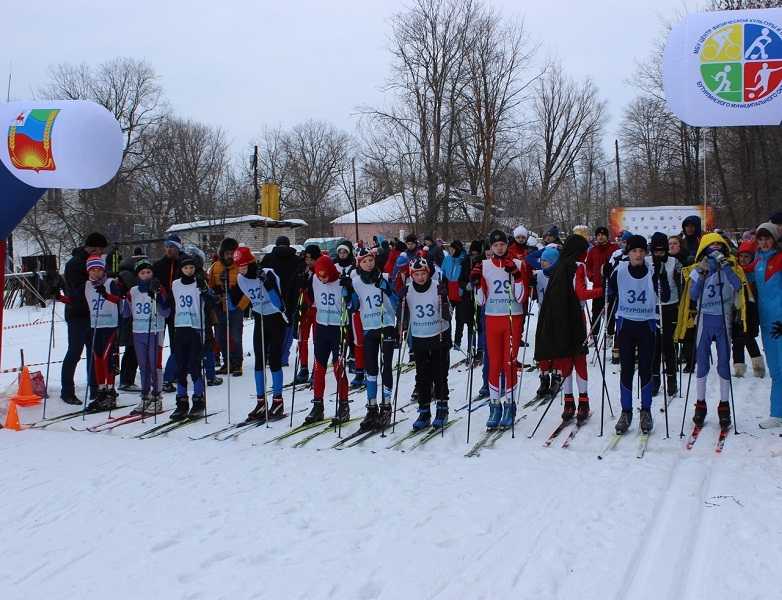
x=495 y=415
x=359 y=380
x=440 y=414
x=424 y=417
x=508 y=414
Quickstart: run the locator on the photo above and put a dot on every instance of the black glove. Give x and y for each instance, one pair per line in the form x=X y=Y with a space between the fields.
x=154 y=286
x=776 y=330
x=269 y=283
x=100 y=289
x=346 y=282
x=201 y=282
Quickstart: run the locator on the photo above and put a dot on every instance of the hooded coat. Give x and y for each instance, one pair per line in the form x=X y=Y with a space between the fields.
x=690 y=243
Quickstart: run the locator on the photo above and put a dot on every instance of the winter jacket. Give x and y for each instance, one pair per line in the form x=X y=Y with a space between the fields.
x=436 y=254
x=597 y=257
x=287 y=265
x=768 y=279
x=166 y=270
x=215 y=281
x=74 y=280
x=690 y=243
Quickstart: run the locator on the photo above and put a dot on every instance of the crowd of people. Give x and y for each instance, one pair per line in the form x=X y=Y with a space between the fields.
x=660 y=304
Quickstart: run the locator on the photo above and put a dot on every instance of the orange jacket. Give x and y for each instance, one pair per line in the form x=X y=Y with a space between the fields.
x=215 y=282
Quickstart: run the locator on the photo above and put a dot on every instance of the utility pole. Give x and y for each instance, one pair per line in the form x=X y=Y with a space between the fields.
x=618 y=174
x=355 y=197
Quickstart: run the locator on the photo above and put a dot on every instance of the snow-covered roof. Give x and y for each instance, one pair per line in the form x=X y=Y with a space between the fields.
x=234 y=220
x=388 y=210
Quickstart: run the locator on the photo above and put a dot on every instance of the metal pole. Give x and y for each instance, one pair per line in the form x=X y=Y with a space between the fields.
x=355 y=197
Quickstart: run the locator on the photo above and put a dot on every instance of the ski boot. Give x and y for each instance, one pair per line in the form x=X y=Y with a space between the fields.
x=570 y=407
x=168 y=387
x=236 y=371
x=141 y=407
x=424 y=417
x=545 y=385
x=700 y=413
x=673 y=385
x=359 y=380
x=495 y=415
x=556 y=384
x=758 y=367
x=277 y=409
x=316 y=414
x=111 y=398
x=656 y=382
x=582 y=414
x=303 y=376
x=214 y=381
x=739 y=369
x=343 y=413
x=372 y=419
x=154 y=405
x=508 y=414
x=723 y=412
x=100 y=403
x=259 y=412
x=770 y=423
x=483 y=392
x=72 y=400
x=645 y=421
x=198 y=410
x=623 y=424
x=129 y=387
x=440 y=414
x=386 y=414
x=182 y=407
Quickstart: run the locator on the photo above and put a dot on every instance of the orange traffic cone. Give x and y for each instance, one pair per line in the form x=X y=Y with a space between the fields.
x=12 y=417
x=25 y=395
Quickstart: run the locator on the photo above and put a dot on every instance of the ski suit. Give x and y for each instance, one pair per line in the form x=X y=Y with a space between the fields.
x=768 y=279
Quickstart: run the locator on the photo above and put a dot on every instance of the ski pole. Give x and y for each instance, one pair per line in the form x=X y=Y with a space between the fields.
x=543 y=416
x=227 y=356
x=694 y=355
x=471 y=353
x=201 y=359
x=298 y=353
x=343 y=342
x=658 y=345
x=91 y=357
x=727 y=343
x=605 y=347
x=261 y=319
x=153 y=306
x=403 y=340
x=49 y=359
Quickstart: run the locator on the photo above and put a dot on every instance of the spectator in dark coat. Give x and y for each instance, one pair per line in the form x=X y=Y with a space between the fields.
x=691 y=236
x=77 y=314
x=436 y=253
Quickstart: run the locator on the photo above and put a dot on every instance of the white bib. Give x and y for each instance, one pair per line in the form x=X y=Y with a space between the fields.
x=425 y=312
x=376 y=308
x=500 y=293
x=257 y=294
x=187 y=304
x=637 y=299
x=142 y=311
x=328 y=302
x=103 y=313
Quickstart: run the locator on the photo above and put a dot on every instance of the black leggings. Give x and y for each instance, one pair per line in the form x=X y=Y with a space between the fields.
x=464 y=316
x=273 y=334
x=432 y=360
x=740 y=343
x=664 y=342
x=372 y=345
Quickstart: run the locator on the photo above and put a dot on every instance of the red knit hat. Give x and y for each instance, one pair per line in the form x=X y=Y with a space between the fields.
x=243 y=256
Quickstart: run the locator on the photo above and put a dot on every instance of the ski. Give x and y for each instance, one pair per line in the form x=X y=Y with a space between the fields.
x=246 y=426
x=610 y=445
x=556 y=432
x=330 y=427
x=165 y=428
x=431 y=434
x=476 y=448
x=99 y=426
x=694 y=436
x=721 y=439
x=643 y=441
x=134 y=419
x=535 y=400
x=68 y=416
x=574 y=431
x=214 y=433
x=361 y=436
x=298 y=429
x=475 y=400
x=409 y=435
x=500 y=432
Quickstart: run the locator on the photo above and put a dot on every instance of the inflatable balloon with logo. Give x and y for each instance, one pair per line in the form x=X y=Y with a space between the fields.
x=69 y=144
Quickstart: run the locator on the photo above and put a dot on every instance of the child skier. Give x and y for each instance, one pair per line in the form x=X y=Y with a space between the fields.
x=562 y=328
x=306 y=313
x=345 y=262
x=747 y=340
x=330 y=329
x=373 y=295
x=261 y=286
x=715 y=283
x=103 y=295
x=502 y=283
x=632 y=284
x=429 y=317
x=768 y=279
x=549 y=379
x=667 y=283
x=189 y=294
x=148 y=306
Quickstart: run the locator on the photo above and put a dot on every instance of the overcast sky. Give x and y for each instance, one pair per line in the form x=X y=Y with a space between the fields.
x=242 y=65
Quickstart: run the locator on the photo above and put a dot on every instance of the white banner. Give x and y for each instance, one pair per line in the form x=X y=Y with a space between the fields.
x=60 y=143
x=646 y=220
x=725 y=68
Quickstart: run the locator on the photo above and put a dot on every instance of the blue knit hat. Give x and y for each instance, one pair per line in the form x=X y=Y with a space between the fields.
x=550 y=255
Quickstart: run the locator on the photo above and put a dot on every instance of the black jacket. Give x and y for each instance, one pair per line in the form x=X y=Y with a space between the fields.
x=74 y=280
x=288 y=266
x=167 y=270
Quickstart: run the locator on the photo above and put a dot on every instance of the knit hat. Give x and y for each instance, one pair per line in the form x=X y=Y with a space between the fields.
x=429 y=238
x=173 y=241
x=243 y=256
x=582 y=230
x=553 y=231
x=601 y=229
x=138 y=252
x=411 y=237
x=324 y=267
x=457 y=246
x=282 y=240
x=313 y=251
x=419 y=264
x=187 y=260
x=625 y=235
x=533 y=240
x=497 y=236
x=343 y=247
x=659 y=241
x=770 y=228
x=228 y=245
x=96 y=261
x=143 y=264
x=550 y=255
x=521 y=231
x=748 y=247
x=476 y=246
x=363 y=254
x=96 y=240
x=636 y=241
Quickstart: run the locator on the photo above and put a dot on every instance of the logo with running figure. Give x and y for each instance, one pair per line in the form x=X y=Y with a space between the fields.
x=741 y=62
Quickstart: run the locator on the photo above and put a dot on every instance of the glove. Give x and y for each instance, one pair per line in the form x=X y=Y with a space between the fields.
x=719 y=257
x=346 y=282
x=510 y=265
x=475 y=278
x=101 y=290
x=154 y=286
x=261 y=275
x=776 y=330
x=269 y=283
x=201 y=282
x=703 y=266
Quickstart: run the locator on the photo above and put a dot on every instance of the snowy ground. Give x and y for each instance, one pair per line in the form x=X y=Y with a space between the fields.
x=106 y=516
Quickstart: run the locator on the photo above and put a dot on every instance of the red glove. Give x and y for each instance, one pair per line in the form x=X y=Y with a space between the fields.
x=510 y=265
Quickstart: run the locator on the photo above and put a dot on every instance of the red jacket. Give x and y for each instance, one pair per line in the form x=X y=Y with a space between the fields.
x=597 y=257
